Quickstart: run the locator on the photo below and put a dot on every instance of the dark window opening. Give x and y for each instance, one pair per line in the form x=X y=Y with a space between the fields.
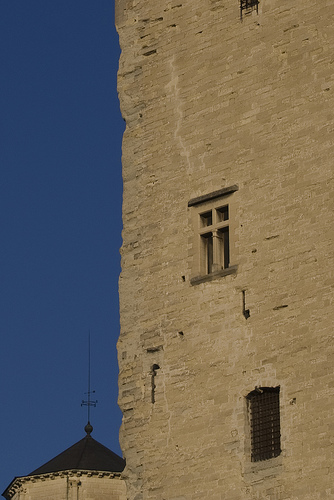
x=223 y=235
x=248 y=5
x=206 y=219
x=222 y=213
x=207 y=243
x=153 y=375
x=263 y=406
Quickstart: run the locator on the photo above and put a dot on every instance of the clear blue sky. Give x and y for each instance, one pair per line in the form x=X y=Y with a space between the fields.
x=60 y=216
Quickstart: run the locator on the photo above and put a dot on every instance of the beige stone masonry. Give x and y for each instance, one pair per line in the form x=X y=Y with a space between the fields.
x=68 y=485
x=212 y=101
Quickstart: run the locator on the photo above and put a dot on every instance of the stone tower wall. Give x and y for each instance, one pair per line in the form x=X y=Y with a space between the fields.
x=213 y=101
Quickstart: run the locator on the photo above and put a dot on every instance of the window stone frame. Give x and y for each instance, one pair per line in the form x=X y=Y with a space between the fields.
x=200 y=205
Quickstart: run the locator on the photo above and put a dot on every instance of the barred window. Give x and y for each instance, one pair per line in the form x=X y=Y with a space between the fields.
x=247 y=6
x=264 y=412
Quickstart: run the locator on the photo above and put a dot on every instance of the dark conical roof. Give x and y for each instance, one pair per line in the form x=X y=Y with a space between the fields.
x=86 y=454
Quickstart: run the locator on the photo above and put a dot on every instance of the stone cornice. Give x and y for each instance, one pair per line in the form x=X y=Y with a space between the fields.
x=18 y=482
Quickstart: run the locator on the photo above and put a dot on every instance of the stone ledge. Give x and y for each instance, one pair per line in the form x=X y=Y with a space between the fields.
x=213 y=195
x=212 y=276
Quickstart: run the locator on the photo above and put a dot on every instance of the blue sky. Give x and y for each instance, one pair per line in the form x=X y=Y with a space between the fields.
x=60 y=219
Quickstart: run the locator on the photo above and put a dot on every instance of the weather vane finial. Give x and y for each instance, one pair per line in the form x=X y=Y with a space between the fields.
x=89 y=402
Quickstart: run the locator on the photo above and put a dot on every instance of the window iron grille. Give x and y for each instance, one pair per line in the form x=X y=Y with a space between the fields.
x=248 y=5
x=263 y=404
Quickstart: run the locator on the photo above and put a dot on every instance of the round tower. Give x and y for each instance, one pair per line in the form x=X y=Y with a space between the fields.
x=85 y=471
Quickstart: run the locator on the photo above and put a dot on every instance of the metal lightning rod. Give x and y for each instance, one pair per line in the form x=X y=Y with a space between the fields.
x=89 y=401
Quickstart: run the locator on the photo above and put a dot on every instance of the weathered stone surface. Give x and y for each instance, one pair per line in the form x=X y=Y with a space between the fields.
x=211 y=101
x=68 y=485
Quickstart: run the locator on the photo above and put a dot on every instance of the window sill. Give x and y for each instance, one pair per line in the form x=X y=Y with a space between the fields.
x=218 y=274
